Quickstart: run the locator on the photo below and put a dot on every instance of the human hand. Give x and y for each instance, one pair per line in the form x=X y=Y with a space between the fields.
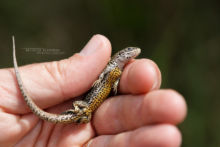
x=142 y=115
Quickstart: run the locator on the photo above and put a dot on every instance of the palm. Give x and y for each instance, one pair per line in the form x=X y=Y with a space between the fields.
x=142 y=116
x=42 y=133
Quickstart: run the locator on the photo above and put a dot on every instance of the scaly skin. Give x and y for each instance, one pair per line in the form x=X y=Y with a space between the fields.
x=82 y=110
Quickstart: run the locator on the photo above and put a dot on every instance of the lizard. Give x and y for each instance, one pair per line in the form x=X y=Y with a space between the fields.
x=82 y=110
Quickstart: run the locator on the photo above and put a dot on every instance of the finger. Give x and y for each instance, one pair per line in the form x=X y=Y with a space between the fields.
x=15 y=127
x=47 y=134
x=25 y=128
x=130 y=112
x=51 y=83
x=140 y=76
x=158 y=135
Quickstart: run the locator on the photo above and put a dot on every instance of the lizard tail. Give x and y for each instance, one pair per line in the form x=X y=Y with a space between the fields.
x=54 y=118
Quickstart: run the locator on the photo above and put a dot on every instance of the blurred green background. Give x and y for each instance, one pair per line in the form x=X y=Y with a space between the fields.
x=182 y=37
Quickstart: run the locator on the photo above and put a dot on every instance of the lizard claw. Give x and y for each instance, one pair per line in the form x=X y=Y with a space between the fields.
x=69 y=111
x=115 y=86
x=96 y=83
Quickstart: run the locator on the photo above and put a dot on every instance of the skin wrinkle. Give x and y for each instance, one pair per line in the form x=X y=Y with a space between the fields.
x=60 y=74
x=39 y=132
x=8 y=92
x=119 y=112
x=55 y=135
x=51 y=136
x=136 y=110
x=5 y=109
x=118 y=121
x=162 y=98
x=77 y=81
x=48 y=127
x=158 y=77
x=125 y=117
x=129 y=139
x=40 y=99
x=88 y=144
x=28 y=121
x=94 y=130
x=124 y=75
x=146 y=110
x=173 y=93
x=32 y=82
x=63 y=67
x=130 y=72
x=101 y=45
x=168 y=133
x=95 y=123
x=17 y=119
x=150 y=107
x=134 y=106
x=31 y=135
x=13 y=130
x=59 y=118
x=130 y=80
x=54 y=78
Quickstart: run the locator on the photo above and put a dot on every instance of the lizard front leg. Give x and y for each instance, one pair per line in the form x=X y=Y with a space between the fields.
x=102 y=75
x=115 y=86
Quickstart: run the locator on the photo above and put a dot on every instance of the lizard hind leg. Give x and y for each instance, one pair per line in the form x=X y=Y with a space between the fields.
x=78 y=108
x=69 y=111
x=80 y=104
x=82 y=111
x=85 y=118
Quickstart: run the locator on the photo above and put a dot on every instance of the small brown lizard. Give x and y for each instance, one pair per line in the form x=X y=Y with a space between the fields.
x=82 y=110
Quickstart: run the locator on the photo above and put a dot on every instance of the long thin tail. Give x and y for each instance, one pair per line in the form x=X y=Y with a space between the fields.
x=34 y=108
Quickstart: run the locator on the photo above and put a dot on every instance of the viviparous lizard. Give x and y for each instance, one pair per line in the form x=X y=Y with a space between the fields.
x=82 y=109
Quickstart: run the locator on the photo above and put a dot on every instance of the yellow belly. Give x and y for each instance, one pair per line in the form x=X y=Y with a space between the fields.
x=105 y=89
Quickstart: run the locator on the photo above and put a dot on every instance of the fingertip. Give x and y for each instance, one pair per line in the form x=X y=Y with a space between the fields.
x=82 y=69
x=172 y=106
x=170 y=136
x=157 y=75
x=178 y=104
x=96 y=43
x=162 y=135
x=58 y=81
x=140 y=76
x=104 y=41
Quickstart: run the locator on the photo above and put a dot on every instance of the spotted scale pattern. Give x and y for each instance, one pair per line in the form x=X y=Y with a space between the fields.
x=101 y=93
x=82 y=110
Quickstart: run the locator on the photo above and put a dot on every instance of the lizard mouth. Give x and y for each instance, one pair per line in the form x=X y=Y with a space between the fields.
x=137 y=52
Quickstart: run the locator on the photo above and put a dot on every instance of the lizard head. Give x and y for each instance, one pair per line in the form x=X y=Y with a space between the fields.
x=125 y=55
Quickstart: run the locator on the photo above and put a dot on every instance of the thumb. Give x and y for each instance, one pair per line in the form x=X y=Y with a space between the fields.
x=81 y=70
x=54 y=82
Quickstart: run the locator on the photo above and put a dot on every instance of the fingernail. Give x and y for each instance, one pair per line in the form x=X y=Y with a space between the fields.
x=155 y=77
x=91 y=46
x=88 y=144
